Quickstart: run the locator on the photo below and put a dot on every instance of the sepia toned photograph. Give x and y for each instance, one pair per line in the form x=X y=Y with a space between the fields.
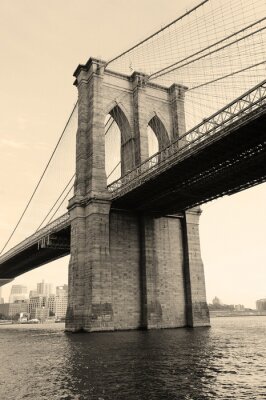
x=132 y=192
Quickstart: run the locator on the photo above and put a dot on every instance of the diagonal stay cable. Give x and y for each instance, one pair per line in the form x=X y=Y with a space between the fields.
x=159 y=73
x=40 y=180
x=57 y=200
x=156 y=33
x=156 y=73
x=68 y=194
x=109 y=127
x=113 y=170
x=60 y=204
x=226 y=76
x=65 y=188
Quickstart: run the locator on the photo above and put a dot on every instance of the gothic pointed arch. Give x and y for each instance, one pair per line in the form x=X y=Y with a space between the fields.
x=160 y=132
x=119 y=143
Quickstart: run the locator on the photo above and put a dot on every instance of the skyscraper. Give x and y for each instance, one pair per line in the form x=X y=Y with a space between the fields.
x=44 y=289
x=18 y=292
x=62 y=290
x=61 y=301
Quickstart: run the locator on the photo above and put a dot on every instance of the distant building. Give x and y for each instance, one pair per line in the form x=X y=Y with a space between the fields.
x=261 y=305
x=61 y=301
x=216 y=301
x=61 y=306
x=239 y=307
x=38 y=308
x=1 y=298
x=51 y=304
x=44 y=289
x=4 y=310
x=33 y=293
x=61 y=290
x=40 y=313
x=13 y=309
x=18 y=292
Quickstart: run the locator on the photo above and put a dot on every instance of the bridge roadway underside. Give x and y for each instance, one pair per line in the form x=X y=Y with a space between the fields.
x=35 y=255
x=215 y=168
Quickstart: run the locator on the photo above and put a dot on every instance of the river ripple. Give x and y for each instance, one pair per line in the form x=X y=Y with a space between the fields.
x=226 y=361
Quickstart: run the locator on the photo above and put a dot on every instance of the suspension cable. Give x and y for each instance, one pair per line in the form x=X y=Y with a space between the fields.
x=60 y=204
x=40 y=180
x=158 y=73
x=113 y=170
x=57 y=200
x=227 y=76
x=156 y=33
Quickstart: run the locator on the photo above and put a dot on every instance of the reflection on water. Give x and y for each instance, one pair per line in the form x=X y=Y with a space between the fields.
x=226 y=361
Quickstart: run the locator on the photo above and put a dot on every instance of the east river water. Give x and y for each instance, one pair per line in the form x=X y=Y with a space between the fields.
x=226 y=361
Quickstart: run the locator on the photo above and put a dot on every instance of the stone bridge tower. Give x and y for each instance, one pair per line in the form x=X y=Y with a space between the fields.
x=129 y=270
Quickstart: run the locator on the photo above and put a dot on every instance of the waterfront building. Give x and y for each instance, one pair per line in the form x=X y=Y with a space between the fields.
x=261 y=305
x=40 y=313
x=18 y=292
x=1 y=298
x=4 y=310
x=239 y=307
x=61 y=301
x=13 y=309
x=52 y=304
x=38 y=306
x=216 y=301
x=61 y=306
x=42 y=306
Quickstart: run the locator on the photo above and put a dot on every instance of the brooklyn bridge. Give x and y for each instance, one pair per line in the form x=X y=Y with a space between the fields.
x=169 y=124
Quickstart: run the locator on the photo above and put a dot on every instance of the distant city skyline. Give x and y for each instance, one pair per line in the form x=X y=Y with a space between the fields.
x=39 y=304
x=40 y=288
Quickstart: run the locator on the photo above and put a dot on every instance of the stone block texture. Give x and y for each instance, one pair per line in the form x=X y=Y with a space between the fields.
x=128 y=270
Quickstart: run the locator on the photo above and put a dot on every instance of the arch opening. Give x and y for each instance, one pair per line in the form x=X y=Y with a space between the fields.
x=119 y=145
x=112 y=149
x=157 y=138
x=160 y=132
x=153 y=144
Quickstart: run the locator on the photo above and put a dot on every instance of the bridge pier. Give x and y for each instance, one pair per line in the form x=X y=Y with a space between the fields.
x=197 y=312
x=135 y=272
x=128 y=270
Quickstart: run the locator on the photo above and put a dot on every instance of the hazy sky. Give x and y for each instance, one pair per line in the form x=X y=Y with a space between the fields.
x=42 y=42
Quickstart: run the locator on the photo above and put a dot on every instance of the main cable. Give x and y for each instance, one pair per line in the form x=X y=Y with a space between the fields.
x=156 y=33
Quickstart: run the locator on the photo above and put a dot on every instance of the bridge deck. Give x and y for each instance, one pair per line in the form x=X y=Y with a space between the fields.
x=223 y=164
x=45 y=245
x=231 y=137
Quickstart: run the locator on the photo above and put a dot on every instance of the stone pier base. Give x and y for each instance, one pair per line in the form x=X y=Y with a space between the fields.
x=135 y=272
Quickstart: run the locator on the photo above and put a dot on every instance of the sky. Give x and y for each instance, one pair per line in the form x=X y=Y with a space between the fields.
x=41 y=45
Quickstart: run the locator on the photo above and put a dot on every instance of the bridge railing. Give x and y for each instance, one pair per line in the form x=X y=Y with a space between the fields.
x=233 y=113
x=54 y=226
